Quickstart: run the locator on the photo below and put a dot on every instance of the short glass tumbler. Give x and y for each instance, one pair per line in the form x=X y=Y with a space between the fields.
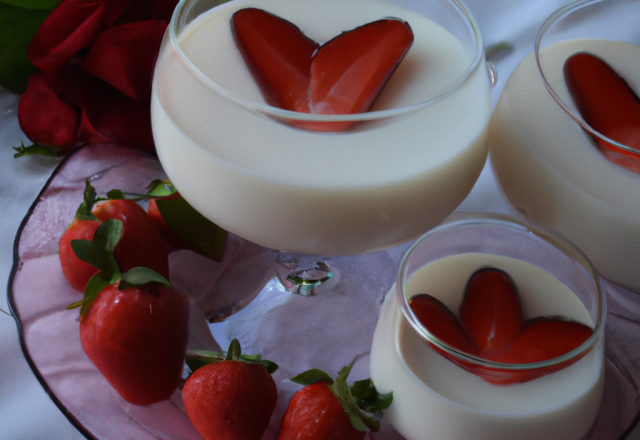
x=449 y=394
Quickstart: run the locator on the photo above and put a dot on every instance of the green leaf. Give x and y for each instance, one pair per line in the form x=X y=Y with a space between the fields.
x=108 y=235
x=198 y=359
x=115 y=194
x=368 y=397
x=88 y=200
x=160 y=188
x=47 y=5
x=18 y=25
x=99 y=252
x=90 y=253
x=312 y=376
x=138 y=276
x=233 y=353
x=34 y=150
x=204 y=236
x=95 y=285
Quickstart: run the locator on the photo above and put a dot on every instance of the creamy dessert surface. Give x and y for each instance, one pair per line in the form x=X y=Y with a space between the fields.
x=551 y=171
x=431 y=394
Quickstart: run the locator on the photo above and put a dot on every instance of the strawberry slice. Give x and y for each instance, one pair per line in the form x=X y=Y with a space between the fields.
x=546 y=338
x=349 y=71
x=605 y=101
x=442 y=323
x=543 y=339
x=278 y=56
x=343 y=76
x=491 y=313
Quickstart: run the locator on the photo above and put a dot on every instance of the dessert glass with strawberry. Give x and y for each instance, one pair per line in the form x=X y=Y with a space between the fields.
x=298 y=178
x=565 y=134
x=493 y=330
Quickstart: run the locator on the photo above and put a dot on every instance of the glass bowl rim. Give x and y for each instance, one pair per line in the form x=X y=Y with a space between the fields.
x=276 y=112
x=559 y=14
x=483 y=219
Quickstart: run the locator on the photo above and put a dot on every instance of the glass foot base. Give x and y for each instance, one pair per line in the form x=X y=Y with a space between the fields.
x=305 y=279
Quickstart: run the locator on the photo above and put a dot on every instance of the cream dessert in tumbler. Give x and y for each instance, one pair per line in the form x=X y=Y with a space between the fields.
x=550 y=169
x=384 y=181
x=438 y=399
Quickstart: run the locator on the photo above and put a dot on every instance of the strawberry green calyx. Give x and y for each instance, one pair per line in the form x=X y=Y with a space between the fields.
x=100 y=254
x=88 y=200
x=198 y=359
x=200 y=233
x=362 y=402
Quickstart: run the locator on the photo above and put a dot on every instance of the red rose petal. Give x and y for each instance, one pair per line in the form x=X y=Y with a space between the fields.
x=124 y=56
x=44 y=118
x=70 y=27
x=126 y=121
x=142 y=10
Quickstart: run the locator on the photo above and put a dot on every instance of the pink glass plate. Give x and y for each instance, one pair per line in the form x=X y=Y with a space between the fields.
x=326 y=331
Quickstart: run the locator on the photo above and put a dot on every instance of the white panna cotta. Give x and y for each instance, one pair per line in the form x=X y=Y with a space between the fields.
x=551 y=171
x=372 y=187
x=436 y=399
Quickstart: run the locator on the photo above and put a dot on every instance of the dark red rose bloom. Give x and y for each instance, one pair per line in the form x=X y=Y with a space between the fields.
x=97 y=59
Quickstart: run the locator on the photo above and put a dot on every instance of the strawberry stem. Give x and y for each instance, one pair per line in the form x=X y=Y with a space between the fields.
x=200 y=358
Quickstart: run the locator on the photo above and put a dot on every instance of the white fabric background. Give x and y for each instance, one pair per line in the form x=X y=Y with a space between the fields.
x=26 y=412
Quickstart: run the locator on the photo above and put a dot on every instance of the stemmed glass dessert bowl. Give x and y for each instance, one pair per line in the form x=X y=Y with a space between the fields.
x=395 y=172
x=556 y=167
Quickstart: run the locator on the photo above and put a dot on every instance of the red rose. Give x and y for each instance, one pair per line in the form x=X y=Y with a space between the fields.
x=97 y=59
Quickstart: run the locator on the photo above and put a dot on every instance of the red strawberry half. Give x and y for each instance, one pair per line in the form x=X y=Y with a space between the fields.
x=343 y=76
x=349 y=71
x=442 y=323
x=277 y=54
x=491 y=312
x=607 y=104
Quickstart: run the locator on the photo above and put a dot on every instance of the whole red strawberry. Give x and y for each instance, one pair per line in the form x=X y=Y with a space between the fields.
x=141 y=243
x=133 y=327
x=230 y=397
x=329 y=410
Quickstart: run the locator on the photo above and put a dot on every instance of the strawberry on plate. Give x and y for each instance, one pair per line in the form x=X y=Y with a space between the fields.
x=328 y=410
x=229 y=396
x=133 y=326
x=141 y=243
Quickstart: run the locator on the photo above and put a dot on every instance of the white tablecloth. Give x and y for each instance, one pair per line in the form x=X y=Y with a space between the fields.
x=26 y=412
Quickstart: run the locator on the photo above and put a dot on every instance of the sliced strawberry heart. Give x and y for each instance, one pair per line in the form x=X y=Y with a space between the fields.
x=606 y=103
x=349 y=71
x=490 y=312
x=344 y=76
x=441 y=323
x=278 y=56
